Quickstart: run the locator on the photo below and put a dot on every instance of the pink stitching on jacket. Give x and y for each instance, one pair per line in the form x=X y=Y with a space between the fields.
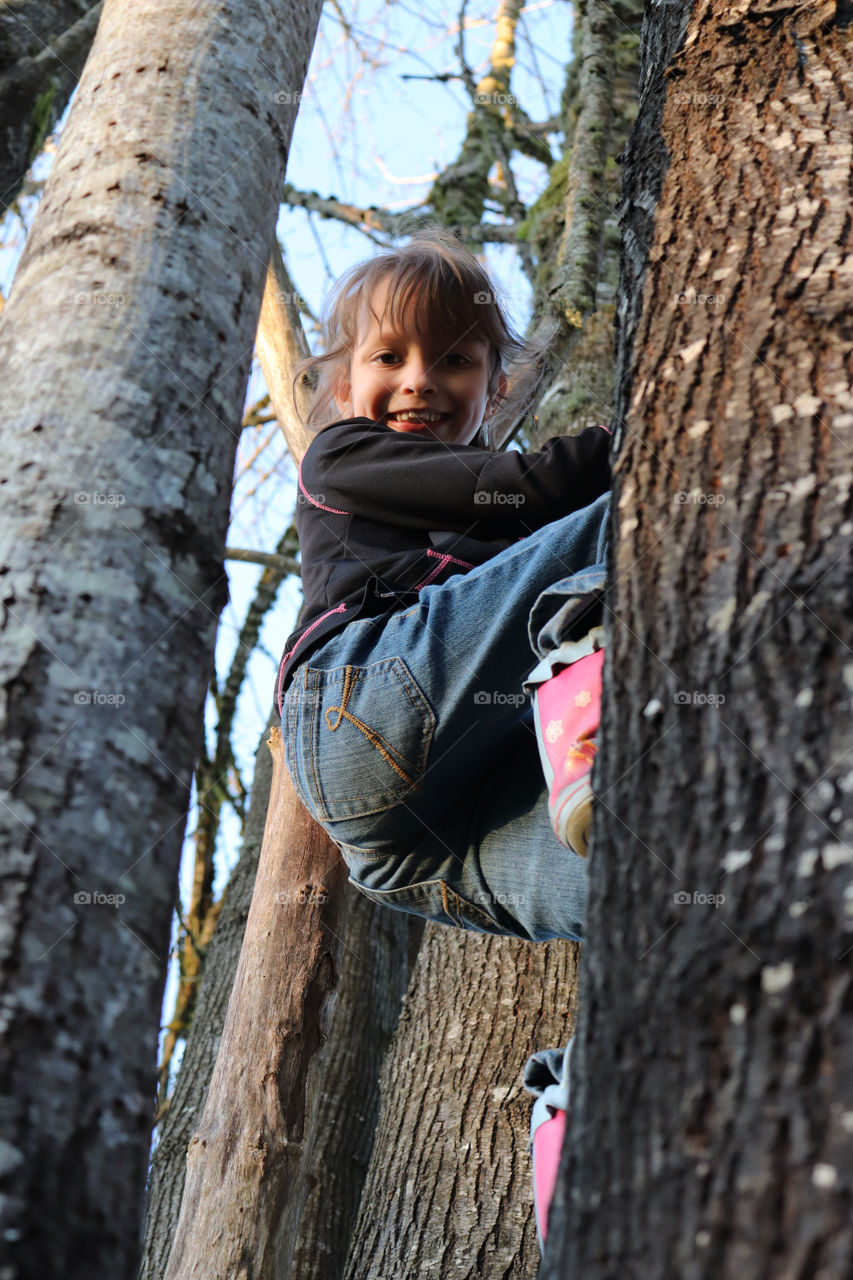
x=340 y=608
x=443 y=561
x=315 y=503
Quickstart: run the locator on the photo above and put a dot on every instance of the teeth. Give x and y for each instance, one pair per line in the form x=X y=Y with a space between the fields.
x=416 y=415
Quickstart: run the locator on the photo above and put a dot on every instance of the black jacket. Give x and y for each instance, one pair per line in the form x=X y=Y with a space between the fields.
x=382 y=513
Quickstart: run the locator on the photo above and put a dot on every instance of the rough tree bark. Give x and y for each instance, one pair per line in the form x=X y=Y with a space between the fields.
x=110 y=598
x=449 y=1190
x=572 y=224
x=43 y=47
x=712 y=1118
x=343 y=1098
x=248 y=1147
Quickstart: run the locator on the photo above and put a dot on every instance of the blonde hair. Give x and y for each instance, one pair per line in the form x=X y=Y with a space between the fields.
x=435 y=279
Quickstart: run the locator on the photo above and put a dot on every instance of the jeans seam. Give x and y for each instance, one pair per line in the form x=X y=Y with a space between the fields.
x=313 y=752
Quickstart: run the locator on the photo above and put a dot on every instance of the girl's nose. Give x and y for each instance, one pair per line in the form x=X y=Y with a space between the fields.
x=418 y=378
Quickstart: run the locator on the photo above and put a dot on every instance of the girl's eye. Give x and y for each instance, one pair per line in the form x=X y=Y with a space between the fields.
x=386 y=357
x=457 y=358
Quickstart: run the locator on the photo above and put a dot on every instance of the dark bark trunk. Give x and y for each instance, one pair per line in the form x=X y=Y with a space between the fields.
x=43 y=48
x=449 y=1189
x=711 y=1117
x=381 y=947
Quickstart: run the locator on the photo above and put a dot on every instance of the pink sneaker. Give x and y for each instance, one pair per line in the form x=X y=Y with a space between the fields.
x=546 y=1075
x=546 y=1146
x=567 y=712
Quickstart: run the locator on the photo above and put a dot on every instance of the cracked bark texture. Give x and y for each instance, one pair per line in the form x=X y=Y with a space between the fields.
x=317 y=1190
x=43 y=47
x=449 y=1191
x=712 y=1117
x=125 y=349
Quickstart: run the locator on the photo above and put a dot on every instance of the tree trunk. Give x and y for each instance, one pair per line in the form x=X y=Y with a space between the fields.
x=281 y=345
x=572 y=225
x=326 y=1171
x=713 y=1084
x=43 y=47
x=449 y=1190
x=248 y=1147
x=380 y=949
x=169 y=1161
x=118 y=451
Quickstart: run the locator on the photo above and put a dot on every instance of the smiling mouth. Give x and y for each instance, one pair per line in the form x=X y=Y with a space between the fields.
x=425 y=417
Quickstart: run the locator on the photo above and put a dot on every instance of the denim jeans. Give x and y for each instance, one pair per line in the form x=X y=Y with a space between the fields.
x=409 y=739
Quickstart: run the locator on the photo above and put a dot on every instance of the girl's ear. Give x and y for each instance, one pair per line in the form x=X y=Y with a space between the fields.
x=500 y=392
x=343 y=396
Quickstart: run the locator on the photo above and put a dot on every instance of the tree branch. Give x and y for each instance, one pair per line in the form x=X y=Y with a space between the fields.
x=285 y=564
x=586 y=204
x=391 y=224
x=281 y=344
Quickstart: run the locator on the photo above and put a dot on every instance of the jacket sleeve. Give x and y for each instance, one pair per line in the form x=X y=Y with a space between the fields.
x=366 y=469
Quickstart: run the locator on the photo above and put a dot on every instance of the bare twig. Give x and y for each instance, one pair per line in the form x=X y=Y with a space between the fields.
x=285 y=564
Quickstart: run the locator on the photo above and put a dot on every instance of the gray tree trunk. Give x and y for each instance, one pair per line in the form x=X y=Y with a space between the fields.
x=712 y=1112
x=43 y=47
x=125 y=349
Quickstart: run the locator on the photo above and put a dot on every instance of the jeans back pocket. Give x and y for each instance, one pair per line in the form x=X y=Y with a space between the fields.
x=357 y=738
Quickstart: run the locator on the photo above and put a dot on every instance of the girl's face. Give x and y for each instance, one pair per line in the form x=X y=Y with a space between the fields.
x=429 y=384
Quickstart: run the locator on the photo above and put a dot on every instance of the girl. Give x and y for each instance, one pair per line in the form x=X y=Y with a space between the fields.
x=430 y=566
